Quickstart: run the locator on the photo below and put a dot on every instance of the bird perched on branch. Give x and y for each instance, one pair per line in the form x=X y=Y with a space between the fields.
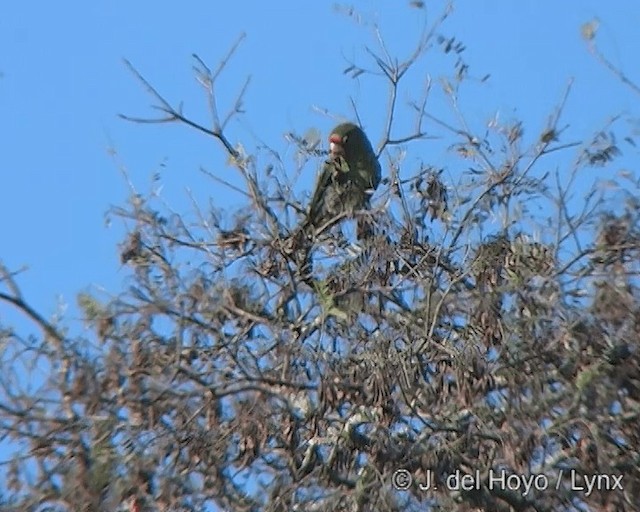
x=347 y=180
x=345 y=185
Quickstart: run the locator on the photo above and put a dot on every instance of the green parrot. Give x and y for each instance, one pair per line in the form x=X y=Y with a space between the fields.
x=347 y=179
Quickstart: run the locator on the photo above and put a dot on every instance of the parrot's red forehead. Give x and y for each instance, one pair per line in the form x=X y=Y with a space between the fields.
x=335 y=138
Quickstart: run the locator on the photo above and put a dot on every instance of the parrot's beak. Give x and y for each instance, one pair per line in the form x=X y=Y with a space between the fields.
x=335 y=146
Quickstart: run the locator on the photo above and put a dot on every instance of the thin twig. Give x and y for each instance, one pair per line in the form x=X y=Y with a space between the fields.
x=593 y=49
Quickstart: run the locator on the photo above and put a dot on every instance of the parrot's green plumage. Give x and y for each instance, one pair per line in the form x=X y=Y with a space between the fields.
x=347 y=179
x=345 y=185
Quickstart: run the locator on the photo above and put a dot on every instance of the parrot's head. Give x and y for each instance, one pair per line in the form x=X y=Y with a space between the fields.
x=345 y=139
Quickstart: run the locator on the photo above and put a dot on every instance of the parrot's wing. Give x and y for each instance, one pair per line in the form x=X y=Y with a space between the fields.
x=367 y=172
x=317 y=206
x=377 y=174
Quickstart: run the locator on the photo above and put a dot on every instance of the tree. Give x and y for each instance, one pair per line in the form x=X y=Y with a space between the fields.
x=450 y=345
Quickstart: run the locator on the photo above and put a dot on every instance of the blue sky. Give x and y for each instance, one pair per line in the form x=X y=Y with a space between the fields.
x=63 y=82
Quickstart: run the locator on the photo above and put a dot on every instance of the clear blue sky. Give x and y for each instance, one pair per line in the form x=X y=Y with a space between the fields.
x=62 y=84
